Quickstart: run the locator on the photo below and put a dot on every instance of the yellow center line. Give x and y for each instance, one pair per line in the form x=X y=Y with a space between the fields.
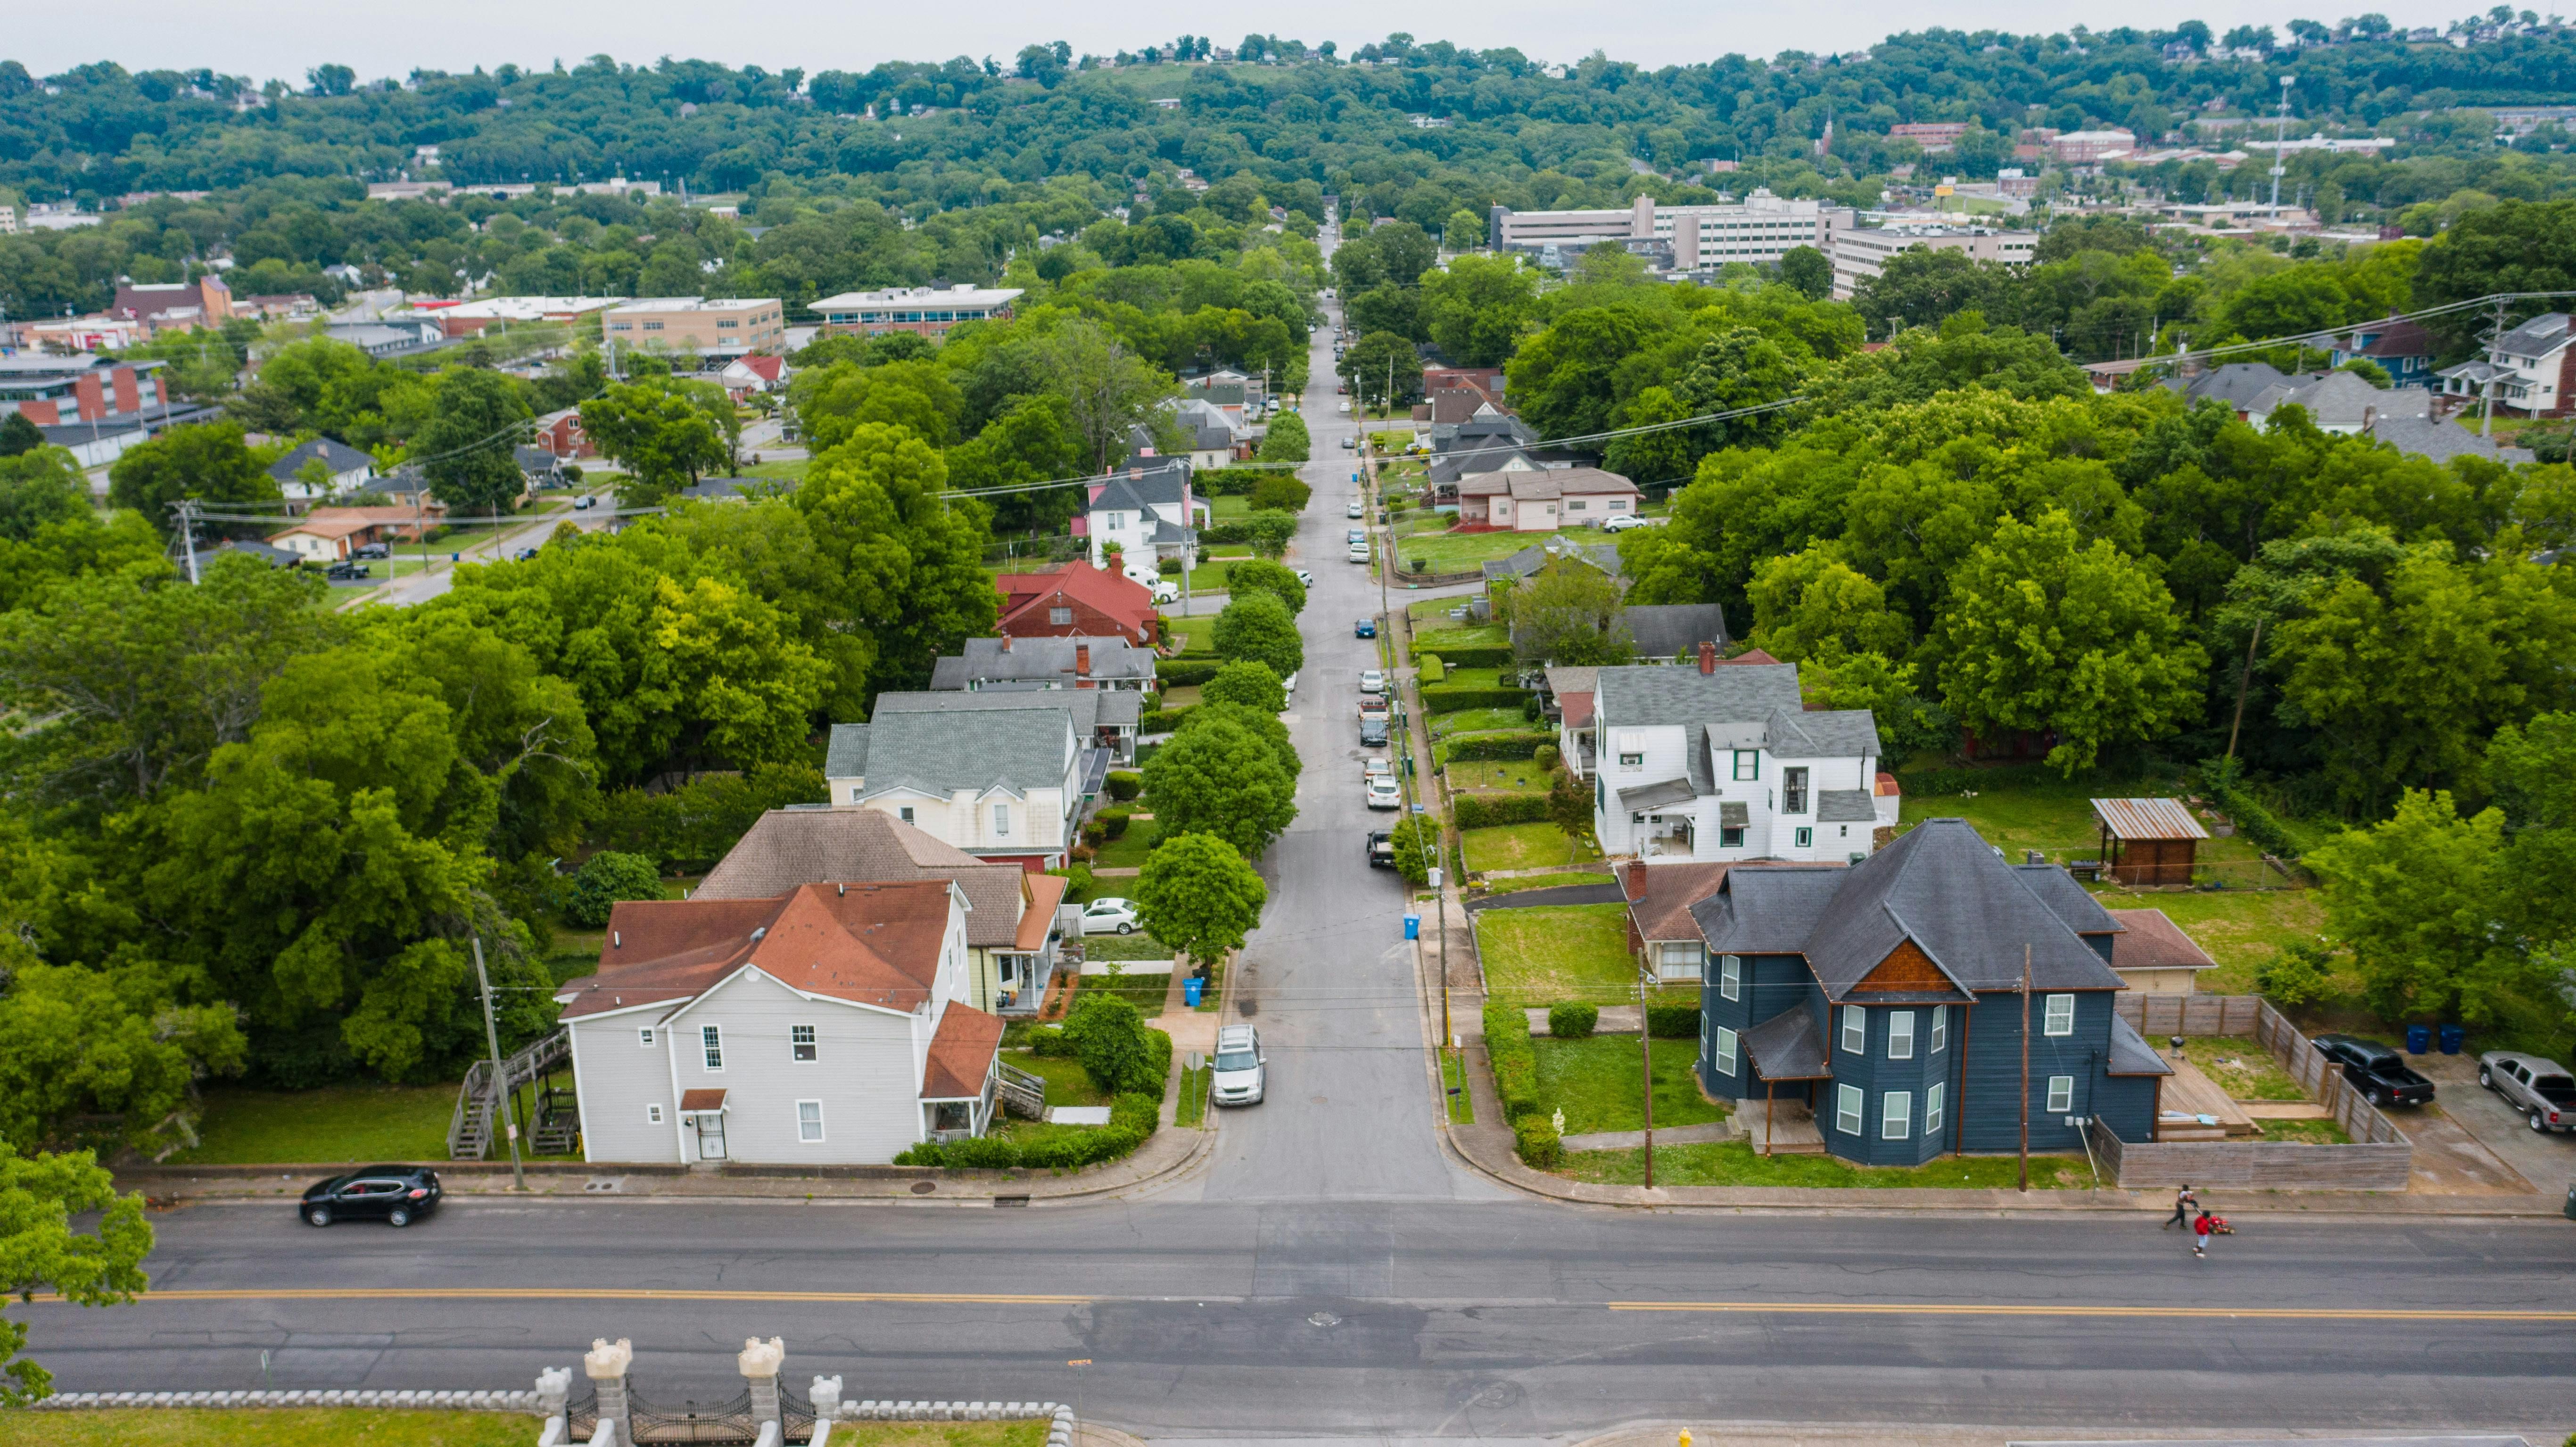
x=584 y=1293
x=2274 y=1313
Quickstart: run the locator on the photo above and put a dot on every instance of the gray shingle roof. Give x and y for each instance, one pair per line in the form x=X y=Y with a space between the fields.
x=1824 y=734
x=2537 y=337
x=335 y=455
x=1845 y=806
x=790 y=847
x=1089 y=708
x=2131 y=1055
x=1788 y=1046
x=2442 y=441
x=2236 y=383
x=1528 y=561
x=1043 y=659
x=1161 y=485
x=940 y=752
x=2340 y=400
x=1762 y=911
x=1656 y=796
x=1665 y=630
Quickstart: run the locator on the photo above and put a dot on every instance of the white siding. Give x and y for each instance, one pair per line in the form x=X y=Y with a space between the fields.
x=866 y=1072
x=618 y=1080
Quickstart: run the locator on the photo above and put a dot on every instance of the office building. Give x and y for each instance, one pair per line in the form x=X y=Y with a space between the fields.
x=1860 y=254
x=1760 y=228
x=704 y=326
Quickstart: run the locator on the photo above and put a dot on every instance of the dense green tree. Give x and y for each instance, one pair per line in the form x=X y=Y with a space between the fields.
x=1220 y=779
x=1562 y=380
x=1568 y=614
x=604 y=879
x=1287 y=440
x=19 y=436
x=1269 y=532
x=664 y=440
x=1808 y=269
x=1260 y=575
x=1247 y=682
x=1197 y=895
x=41 y=1248
x=1807 y=601
x=1376 y=362
x=1262 y=723
x=468 y=446
x=207 y=462
x=1109 y=1036
x=1259 y=626
x=910 y=567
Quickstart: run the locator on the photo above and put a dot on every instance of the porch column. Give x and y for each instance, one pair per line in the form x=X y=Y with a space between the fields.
x=606 y=1364
x=759 y=1364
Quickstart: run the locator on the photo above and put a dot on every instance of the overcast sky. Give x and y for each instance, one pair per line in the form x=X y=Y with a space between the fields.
x=280 y=38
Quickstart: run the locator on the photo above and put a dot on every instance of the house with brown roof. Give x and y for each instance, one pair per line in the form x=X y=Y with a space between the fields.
x=2154 y=956
x=1010 y=913
x=327 y=534
x=1076 y=600
x=1541 y=500
x=827 y=1025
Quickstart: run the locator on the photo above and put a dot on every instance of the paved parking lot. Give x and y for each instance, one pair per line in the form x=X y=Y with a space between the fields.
x=2548 y=1162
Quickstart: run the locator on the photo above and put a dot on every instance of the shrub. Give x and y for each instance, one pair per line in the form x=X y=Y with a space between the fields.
x=1117 y=1050
x=1094 y=833
x=1483 y=811
x=1417 y=847
x=1132 y=1118
x=1431 y=669
x=1281 y=491
x=1159 y=721
x=1259 y=626
x=1672 y=1022
x=1507 y=1047
x=1078 y=882
x=1168 y=567
x=687 y=829
x=1535 y=1141
x=1183 y=673
x=1547 y=757
x=1495 y=746
x=1530 y=708
x=1453 y=697
x=2223 y=783
x=1261 y=575
x=1124 y=784
x=1250 y=683
x=1464 y=655
x=1112 y=822
x=1219 y=535
x=1572 y=1022
x=1048 y=1040
x=604 y=879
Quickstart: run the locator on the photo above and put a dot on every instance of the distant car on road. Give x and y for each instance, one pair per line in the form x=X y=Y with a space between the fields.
x=1375 y=766
x=1623 y=524
x=2540 y=1089
x=1360 y=552
x=1357 y=535
x=522 y=555
x=395 y=1195
x=1365 y=628
x=1238 y=1077
x=345 y=571
x=1385 y=793
x=1356 y=509
x=1349 y=444
x=584 y=503
x=1164 y=590
x=1109 y=917
x=2377 y=1071
x=1372 y=681
x=1305 y=579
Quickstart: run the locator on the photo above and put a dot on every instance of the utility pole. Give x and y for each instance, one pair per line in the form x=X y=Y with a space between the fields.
x=2244 y=681
x=188 y=535
x=1646 y=1054
x=2495 y=342
x=500 y=1083
x=2025 y=1069
x=2281 y=142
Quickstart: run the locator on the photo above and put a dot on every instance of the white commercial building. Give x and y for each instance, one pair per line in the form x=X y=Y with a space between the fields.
x=1760 y=228
x=1860 y=254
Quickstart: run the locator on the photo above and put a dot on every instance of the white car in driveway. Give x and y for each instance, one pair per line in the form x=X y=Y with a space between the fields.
x=1109 y=917
x=1623 y=524
x=1385 y=793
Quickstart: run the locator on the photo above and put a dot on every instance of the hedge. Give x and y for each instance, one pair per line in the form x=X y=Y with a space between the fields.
x=1186 y=673
x=1161 y=720
x=1572 y=1021
x=1507 y=1048
x=1483 y=811
x=1112 y=822
x=1452 y=699
x=1429 y=669
x=1132 y=1119
x=1495 y=746
x=1217 y=535
x=1672 y=1022
x=1535 y=1141
x=2223 y=782
x=1048 y=1040
x=1460 y=655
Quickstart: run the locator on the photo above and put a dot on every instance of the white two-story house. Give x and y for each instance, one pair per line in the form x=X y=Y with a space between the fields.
x=1005 y=784
x=1722 y=762
x=1145 y=508
x=826 y=1026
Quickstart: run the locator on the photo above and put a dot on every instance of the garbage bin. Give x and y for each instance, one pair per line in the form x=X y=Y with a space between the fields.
x=2450 y=1037
x=2419 y=1038
x=1190 y=989
x=1412 y=925
x=2571 y=1201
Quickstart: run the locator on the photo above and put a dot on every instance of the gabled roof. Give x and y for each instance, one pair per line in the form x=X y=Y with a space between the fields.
x=1668 y=630
x=1091 y=709
x=1144 y=482
x=2537 y=337
x=1663 y=910
x=1528 y=561
x=1018 y=746
x=2235 y=383
x=2391 y=338
x=2341 y=400
x=2132 y=1055
x=1028 y=596
x=1845 y=806
x=2150 y=941
x=2147 y=819
x=2441 y=441
x=786 y=848
x=1052 y=659
x=1788 y=1046
x=961 y=1054
x=868 y=944
x=338 y=456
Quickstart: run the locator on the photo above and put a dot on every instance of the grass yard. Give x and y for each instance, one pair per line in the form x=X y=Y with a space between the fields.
x=1184 y=695
x=1479 y=721
x=1145 y=992
x=2241 y=1067
x=1461 y=552
x=334 y=1125
x=792 y=470
x=1434 y=612
x=1127 y=851
x=287 y=1427
x=1138 y=946
x=1547 y=881
x=1558 y=952
x=1521 y=775
x=1595 y=1083
x=2305 y=1132
x=1209 y=576
x=1190 y=1106
x=1521 y=846
x=2240 y=928
x=1065 y=1082
x=1445 y=640
x=1734 y=1163
x=1453 y=1079
x=2030 y=809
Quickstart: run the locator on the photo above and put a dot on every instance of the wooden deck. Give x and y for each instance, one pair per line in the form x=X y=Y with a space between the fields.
x=1790 y=1130
x=2189 y=1094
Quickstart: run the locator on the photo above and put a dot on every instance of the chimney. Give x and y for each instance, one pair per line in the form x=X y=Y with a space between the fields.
x=1636 y=880
x=1006 y=643
x=1082 y=660
x=1707 y=656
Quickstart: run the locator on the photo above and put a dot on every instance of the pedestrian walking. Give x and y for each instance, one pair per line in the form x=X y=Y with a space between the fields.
x=2201 y=1227
x=2184 y=1200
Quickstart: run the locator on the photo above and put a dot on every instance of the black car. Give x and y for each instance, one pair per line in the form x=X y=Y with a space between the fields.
x=1373 y=731
x=2377 y=1071
x=1381 y=849
x=345 y=570
x=395 y=1195
x=372 y=550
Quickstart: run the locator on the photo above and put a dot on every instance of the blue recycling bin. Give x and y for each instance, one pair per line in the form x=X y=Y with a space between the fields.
x=1190 y=989
x=1412 y=925
x=2451 y=1036
x=2419 y=1038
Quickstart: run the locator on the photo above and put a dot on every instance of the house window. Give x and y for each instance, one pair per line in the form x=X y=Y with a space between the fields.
x=712 y=1038
x=1059 y=617
x=2060 y=1019
x=855 y=790
x=1900 y=1035
x=644 y=1037
x=1632 y=761
x=2061 y=1094
x=1001 y=819
x=1730 y=976
x=809 y=1121
x=1793 y=791
x=652 y=1115
x=1725 y=1051
x=1748 y=764
x=1847 y=1103
x=800 y=1041
x=1896 y=1115
x=1682 y=958
x=1855 y=1030
x=1932 y=1109
x=1806 y=838
x=904 y=813
x=1729 y=838
x=1940 y=1038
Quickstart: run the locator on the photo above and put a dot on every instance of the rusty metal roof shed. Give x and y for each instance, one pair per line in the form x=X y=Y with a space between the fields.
x=2128 y=819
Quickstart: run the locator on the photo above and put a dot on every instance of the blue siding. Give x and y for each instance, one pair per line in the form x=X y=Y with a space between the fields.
x=2101 y=945
x=1772 y=984
x=2127 y=1104
x=1876 y=1074
x=1990 y=1101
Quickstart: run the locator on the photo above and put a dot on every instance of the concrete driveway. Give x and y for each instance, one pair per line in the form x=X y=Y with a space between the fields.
x=2546 y=1162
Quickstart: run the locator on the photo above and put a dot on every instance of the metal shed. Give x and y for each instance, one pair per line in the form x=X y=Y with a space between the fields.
x=2148 y=841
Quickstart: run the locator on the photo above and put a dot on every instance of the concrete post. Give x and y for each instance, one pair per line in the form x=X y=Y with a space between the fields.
x=554 y=1389
x=606 y=1364
x=826 y=1397
x=759 y=1364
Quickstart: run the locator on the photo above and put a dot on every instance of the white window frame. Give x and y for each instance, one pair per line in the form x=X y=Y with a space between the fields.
x=644 y=1037
x=711 y=1044
x=1001 y=821
x=1900 y=1035
x=801 y=1044
x=1806 y=838
x=1849 y=1107
x=2058 y=1016
x=652 y=1115
x=816 y=1138
x=1932 y=1104
x=1725 y=1052
x=1855 y=1022
x=1940 y=1029
x=2061 y=1094
x=1730 y=977
x=1059 y=617
x=1896 y=1115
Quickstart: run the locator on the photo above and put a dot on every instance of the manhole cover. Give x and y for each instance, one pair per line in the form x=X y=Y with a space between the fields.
x=1323 y=1319
x=924 y=1188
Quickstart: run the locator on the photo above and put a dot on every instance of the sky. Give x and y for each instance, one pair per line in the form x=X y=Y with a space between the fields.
x=267 y=39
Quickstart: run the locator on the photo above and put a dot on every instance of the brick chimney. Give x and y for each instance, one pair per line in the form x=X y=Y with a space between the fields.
x=1082 y=660
x=1636 y=880
x=1006 y=643
x=1707 y=656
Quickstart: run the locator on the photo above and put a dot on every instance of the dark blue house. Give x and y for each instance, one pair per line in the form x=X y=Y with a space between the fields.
x=1887 y=996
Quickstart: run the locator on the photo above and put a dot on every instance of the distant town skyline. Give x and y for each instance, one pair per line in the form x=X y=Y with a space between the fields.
x=280 y=39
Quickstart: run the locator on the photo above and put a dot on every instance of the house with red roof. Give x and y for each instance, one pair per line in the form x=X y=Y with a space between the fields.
x=828 y=1025
x=1077 y=600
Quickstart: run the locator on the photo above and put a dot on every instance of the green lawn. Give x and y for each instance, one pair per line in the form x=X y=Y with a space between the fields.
x=1138 y=946
x=1734 y=1163
x=1453 y=1080
x=1479 y=721
x=1230 y=507
x=1190 y=1108
x=1128 y=850
x=2306 y=1132
x=1210 y=575
x=1433 y=613
x=334 y=1125
x=1595 y=1083
x=2240 y=928
x=1183 y=695
x=792 y=471
x=1558 y=952
x=1065 y=1082
x=1145 y=992
x=1461 y=552
x=1521 y=846
x=2242 y=1068
x=1523 y=775
x=1442 y=640
x=1545 y=881
x=2030 y=809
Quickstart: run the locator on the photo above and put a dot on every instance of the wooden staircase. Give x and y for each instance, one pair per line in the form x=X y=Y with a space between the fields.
x=1022 y=1094
x=471 y=1131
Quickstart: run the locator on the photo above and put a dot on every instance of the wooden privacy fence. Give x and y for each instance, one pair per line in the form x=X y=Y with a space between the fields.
x=2380 y=1157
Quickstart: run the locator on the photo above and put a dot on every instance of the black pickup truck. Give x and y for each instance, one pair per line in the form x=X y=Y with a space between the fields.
x=2378 y=1072
x=1381 y=850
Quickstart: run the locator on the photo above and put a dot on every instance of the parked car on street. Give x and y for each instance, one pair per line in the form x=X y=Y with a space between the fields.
x=522 y=555
x=395 y=1195
x=1365 y=628
x=1356 y=535
x=1359 y=552
x=2377 y=1071
x=1305 y=579
x=1372 y=681
x=1356 y=509
x=345 y=570
x=2540 y=1089
x=1373 y=705
x=584 y=503
x=1237 y=1079
x=1385 y=793
x=1349 y=444
x=1346 y=409
x=1375 y=766
x=1622 y=524
x=1373 y=731
x=1164 y=590
x=1381 y=849
x=1111 y=916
